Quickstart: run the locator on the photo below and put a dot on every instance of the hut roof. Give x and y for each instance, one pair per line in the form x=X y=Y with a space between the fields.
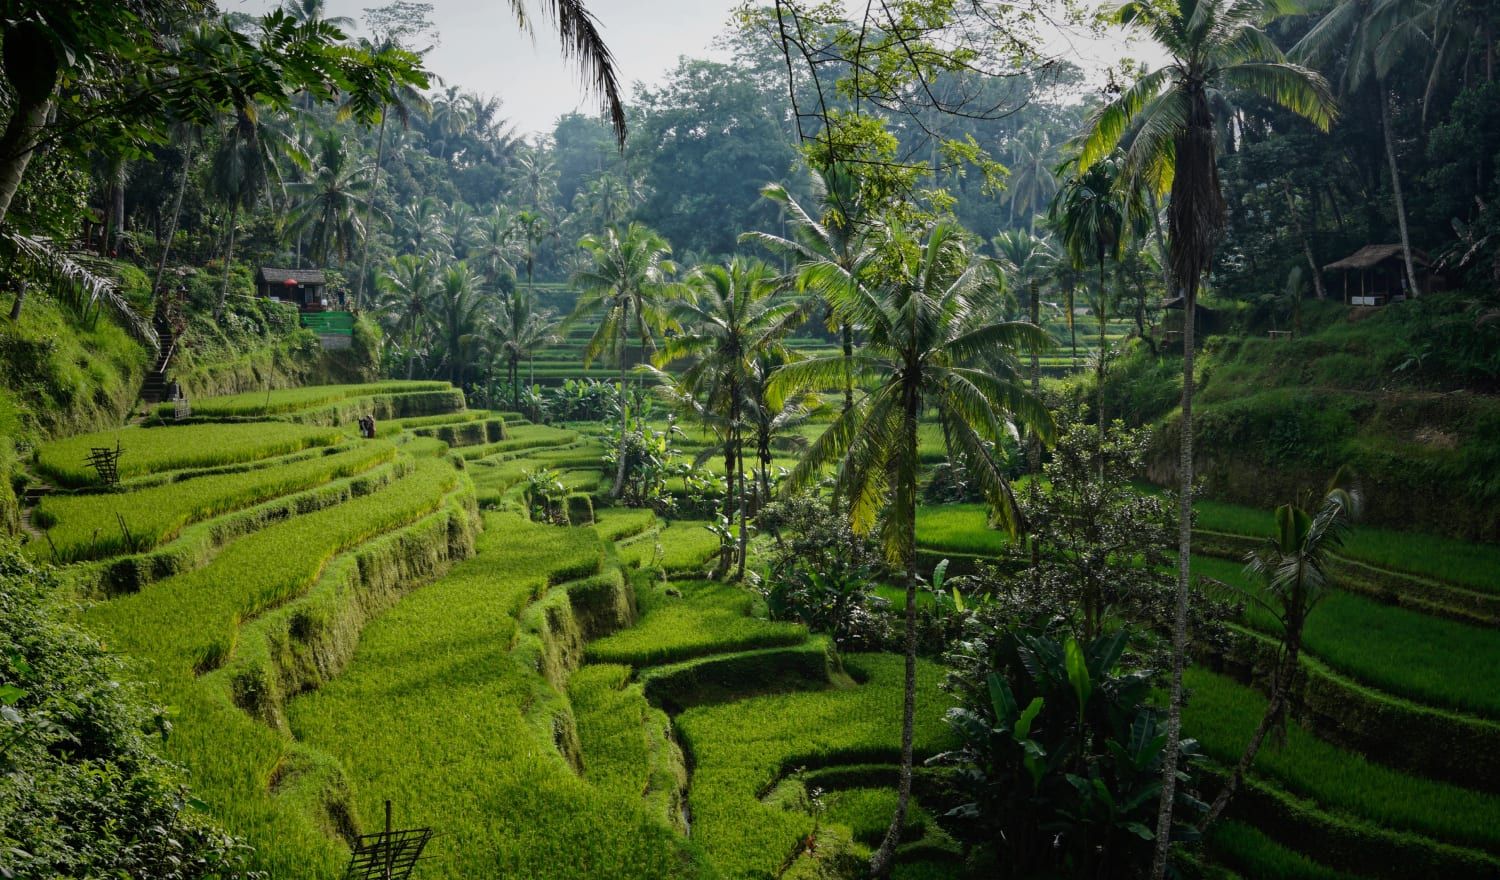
x=1372 y=255
x=273 y=275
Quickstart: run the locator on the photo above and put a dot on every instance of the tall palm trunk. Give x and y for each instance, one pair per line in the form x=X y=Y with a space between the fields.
x=881 y=861
x=116 y=209
x=1103 y=317
x=515 y=382
x=364 y=247
x=1034 y=447
x=624 y=415
x=1390 y=155
x=166 y=248
x=1281 y=683
x=744 y=530
x=234 y=216
x=846 y=336
x=1173 y=747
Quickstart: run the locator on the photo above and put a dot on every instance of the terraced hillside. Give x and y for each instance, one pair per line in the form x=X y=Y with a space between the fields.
x=1388 y=770
x=340 y=621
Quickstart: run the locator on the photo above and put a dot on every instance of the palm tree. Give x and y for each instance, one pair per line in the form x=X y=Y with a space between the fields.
x=1092 y=215
x=1294 y=568
x=401 y=100
x=729 y=318
x=1214 y=44
x=243 y=170
x=533 y=228
x=495 y=246
x=828 y=245
x=459 y=309
x=624 y=283
x=1028 y=261
x=421 y=230
x=920 y=354
x=1370 y=34
x=406 y=294
x=313 y=11
x=582 y=42
x=463 y=229
x=521 y=329
x=1032 y=182
x=328 y=203
x=536 y=179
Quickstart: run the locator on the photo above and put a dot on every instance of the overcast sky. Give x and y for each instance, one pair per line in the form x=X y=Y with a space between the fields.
x=482 y=51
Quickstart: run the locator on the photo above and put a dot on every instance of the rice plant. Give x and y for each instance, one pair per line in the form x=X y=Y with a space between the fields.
x=154 y=450
x=702 y=618
x=286 y=400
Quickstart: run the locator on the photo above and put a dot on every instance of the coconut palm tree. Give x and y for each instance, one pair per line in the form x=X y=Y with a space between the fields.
x=828 y=242
x=1293 y=566
x=623 y=288
x=520 y=329
x=1371 y=36
x=582 y=43
x=420 y=228
x=458 y=309
x=245 y=170
x=1032 y=182
x=405 y=306
x=922 y=353
x=1092 y=215
x=533 y=228
x=327 y=205
x=536 y=179
x=1028 y=261
x=1166 y=122
x=495 y=247
x=729 y=317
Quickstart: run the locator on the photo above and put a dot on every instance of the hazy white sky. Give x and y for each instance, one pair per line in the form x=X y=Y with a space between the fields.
x=482 y=51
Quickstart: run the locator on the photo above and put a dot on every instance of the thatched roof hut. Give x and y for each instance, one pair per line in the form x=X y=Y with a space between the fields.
x=1381 y=274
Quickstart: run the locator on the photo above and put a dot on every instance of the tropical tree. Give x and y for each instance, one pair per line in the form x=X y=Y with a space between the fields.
x=829 y=243
x=1214 y=45
x=922 y=353
x=729 y=318
x=406 y=293
x=245 y=170
x=1293 y=567
x=1032 y=182
x=1093 y=214
x=1371 y=36
x=519 y=330
x=327 y=204
x=459 y=311
x=420 y=228
x=495 y=248
x=533 y=229
x=623 y=288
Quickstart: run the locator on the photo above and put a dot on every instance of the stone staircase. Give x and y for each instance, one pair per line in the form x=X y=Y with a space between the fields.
x=158 y=386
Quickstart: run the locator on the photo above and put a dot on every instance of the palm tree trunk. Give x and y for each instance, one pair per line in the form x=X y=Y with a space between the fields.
x=726 y=546
x=515 y=382
x=1390 y=155
x=624 y=421
x=1173 y=747
x=1280 y=684
x=166 y=248
x=1103 y=318
x=1307 y=253
x=364 y=247
x=234 y=215
x=744 y=531
x=1034 y=447
x=881 y=861
x=116 y=209
x=15 y=307
x=846 y=336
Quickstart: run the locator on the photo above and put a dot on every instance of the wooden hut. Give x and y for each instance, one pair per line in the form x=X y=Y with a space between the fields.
x=307 y=288
x=1376 y=274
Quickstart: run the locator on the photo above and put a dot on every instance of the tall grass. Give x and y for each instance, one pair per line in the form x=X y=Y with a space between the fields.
x=960 y=528
x=740 y=749
x=88 y=526
x=1461 y=563
x=262 y=403
x=438 y=713
x=704 y=618
x=1428 y=659
x=1222 y=713
x=153 y=450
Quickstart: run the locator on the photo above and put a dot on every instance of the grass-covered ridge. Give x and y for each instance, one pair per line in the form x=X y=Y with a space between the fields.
x=287 y=400
x=154 y=450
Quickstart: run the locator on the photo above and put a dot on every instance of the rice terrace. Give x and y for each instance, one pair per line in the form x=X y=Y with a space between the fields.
x=918 y=439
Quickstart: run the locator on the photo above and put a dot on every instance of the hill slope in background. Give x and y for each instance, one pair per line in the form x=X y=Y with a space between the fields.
x=1403 y=397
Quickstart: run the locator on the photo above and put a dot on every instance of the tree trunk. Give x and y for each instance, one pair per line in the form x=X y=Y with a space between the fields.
x=166 y=248
x=1285 y=673
x=1103 y=351
x=116 y=207
x=515 y=383
x=624 y=417
x=364 y=247
x=846 y=336
x=744 y=530
x=1390 y=155
x=1312 y=264
x=234 y=215
x=1173 y=747
x=20 y=300
x=881 y=861
x=31 y=66
x=1034 y=447
x=726 y=545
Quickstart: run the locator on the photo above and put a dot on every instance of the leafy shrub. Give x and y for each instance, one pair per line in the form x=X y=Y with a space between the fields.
x=83 y=791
